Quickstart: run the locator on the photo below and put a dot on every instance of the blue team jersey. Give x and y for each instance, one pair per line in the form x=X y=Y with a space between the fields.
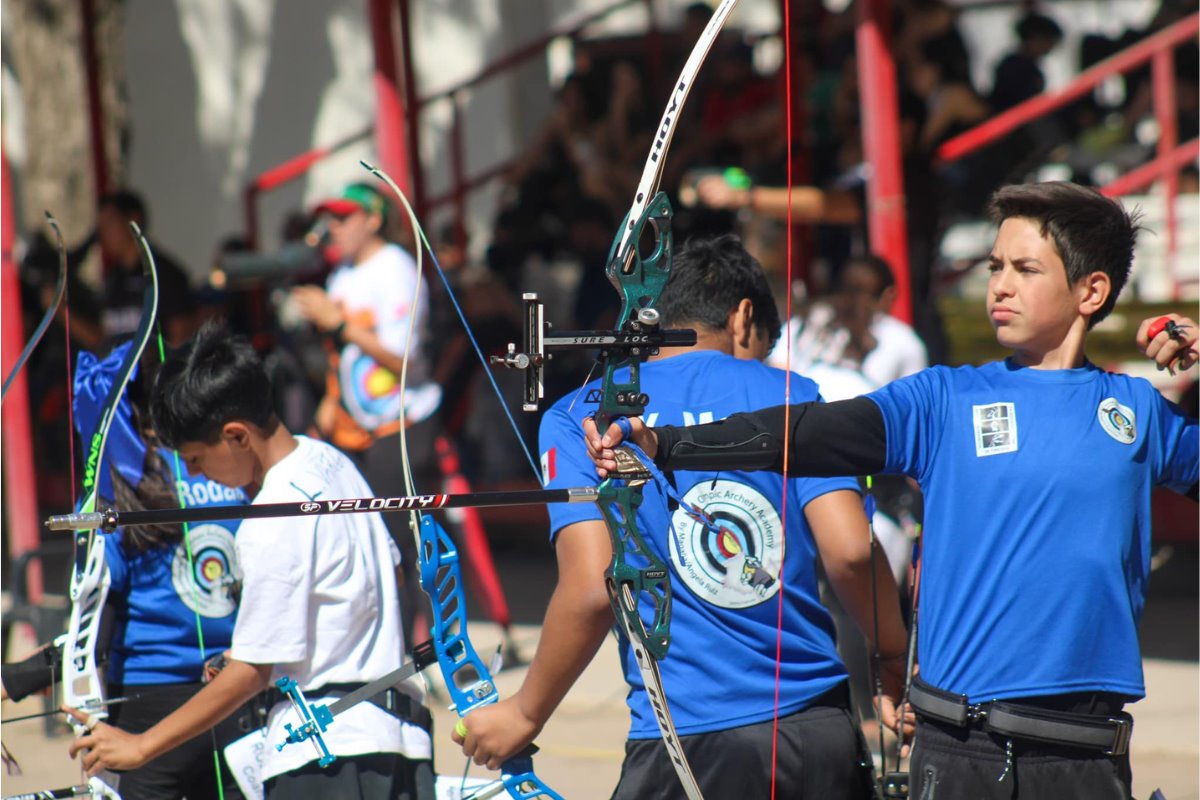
x=1037 y=521
x=719 y=672
x=158 y=594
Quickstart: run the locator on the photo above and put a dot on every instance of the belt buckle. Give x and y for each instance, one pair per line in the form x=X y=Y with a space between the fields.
x=977 y=712
x=1120 y=745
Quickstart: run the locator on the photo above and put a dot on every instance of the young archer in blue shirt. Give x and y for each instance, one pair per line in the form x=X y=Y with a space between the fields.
x=1037 y=473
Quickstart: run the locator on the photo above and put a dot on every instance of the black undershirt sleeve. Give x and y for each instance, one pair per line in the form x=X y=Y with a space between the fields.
x=827 y=439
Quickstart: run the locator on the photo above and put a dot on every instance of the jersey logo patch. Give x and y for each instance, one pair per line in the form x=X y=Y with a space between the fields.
x=995 y=429
x=203 y=582
x=727 y=544
x=1117 y=420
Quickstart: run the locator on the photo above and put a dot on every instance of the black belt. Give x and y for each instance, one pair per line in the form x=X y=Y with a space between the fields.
x=1107 y=733
x=395 y=702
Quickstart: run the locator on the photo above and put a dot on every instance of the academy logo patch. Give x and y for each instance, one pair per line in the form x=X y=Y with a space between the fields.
x=203 y=581
x=727 y=544
x=995 y=429
x=1117 y=420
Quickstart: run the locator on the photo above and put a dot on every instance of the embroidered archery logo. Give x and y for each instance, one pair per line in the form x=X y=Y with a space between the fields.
x=1117 y=420
x=727 y=543
x=995 y=428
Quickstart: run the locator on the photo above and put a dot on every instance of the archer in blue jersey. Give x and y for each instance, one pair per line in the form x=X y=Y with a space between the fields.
x=1037 y=473
x=739 y=552
x=168 y=610
x=159 y=592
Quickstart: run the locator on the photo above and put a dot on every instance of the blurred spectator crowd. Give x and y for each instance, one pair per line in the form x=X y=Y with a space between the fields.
x=565 y=195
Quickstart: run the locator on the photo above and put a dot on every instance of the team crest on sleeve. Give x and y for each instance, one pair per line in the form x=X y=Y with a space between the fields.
x=995 y=429
x=727 y=544
x=1117 y=420
x=204 y=584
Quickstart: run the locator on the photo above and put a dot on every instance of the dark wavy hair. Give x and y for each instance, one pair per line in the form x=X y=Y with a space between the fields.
x=1091 y=232
x=215 y=378
x=709 y=277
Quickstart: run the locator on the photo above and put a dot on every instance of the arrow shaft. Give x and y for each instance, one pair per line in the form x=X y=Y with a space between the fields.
x=111 y=519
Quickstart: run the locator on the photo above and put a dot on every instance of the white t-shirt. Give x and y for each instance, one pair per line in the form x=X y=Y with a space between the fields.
x=319 y=602
x=378 y=294
x=819 y=339
x=898 y=351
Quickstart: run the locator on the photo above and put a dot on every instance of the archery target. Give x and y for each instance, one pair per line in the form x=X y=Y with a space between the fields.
x=727 y=544
x=369 y=392
x=204 y=587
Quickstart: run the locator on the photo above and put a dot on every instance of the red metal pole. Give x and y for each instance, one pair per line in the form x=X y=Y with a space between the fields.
x=1162 y=71
x=20 y=487
x=391 y=141
x=91 y=76
x=879 y=111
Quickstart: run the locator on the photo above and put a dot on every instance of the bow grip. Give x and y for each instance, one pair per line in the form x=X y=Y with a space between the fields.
x=618 y=505
x=467 y=678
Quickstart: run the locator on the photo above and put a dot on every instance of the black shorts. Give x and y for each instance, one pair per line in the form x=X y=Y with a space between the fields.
x=189 y=769
x=950 y=763
x=821 y=755
x=374 y=776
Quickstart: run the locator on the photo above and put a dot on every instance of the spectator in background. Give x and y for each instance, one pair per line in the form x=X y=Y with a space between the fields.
x=1019 y=75
x=735 y=93
x=123 y=282
x=366 y=313
x=943 y=80
x=845 y=203
x=855 y=329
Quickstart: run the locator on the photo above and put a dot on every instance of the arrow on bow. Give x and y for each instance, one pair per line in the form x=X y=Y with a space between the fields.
x=467 y=678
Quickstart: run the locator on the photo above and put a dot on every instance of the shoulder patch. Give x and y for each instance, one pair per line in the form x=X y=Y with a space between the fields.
x=995 y=428
x=1117 y=420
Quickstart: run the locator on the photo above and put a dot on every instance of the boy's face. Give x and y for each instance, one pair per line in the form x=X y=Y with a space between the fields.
x=350 y=234
x=1029 y=301
x=229 y=461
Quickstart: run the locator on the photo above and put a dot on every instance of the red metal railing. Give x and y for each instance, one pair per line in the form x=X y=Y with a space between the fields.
x=286 y=172
x=461 y=183
x=1159 y=50
x=21 y=527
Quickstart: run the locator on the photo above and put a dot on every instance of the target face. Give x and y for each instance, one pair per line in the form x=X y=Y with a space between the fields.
x=727 y=544
x=369 y=392
x=204 y=587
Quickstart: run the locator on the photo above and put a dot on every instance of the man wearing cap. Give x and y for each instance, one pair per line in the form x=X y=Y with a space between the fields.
x=365 y=311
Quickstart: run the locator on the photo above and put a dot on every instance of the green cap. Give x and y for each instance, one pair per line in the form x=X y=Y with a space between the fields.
x=356 y=197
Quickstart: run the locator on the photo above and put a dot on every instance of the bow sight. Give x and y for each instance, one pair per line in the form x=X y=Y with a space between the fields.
x=639 y=280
